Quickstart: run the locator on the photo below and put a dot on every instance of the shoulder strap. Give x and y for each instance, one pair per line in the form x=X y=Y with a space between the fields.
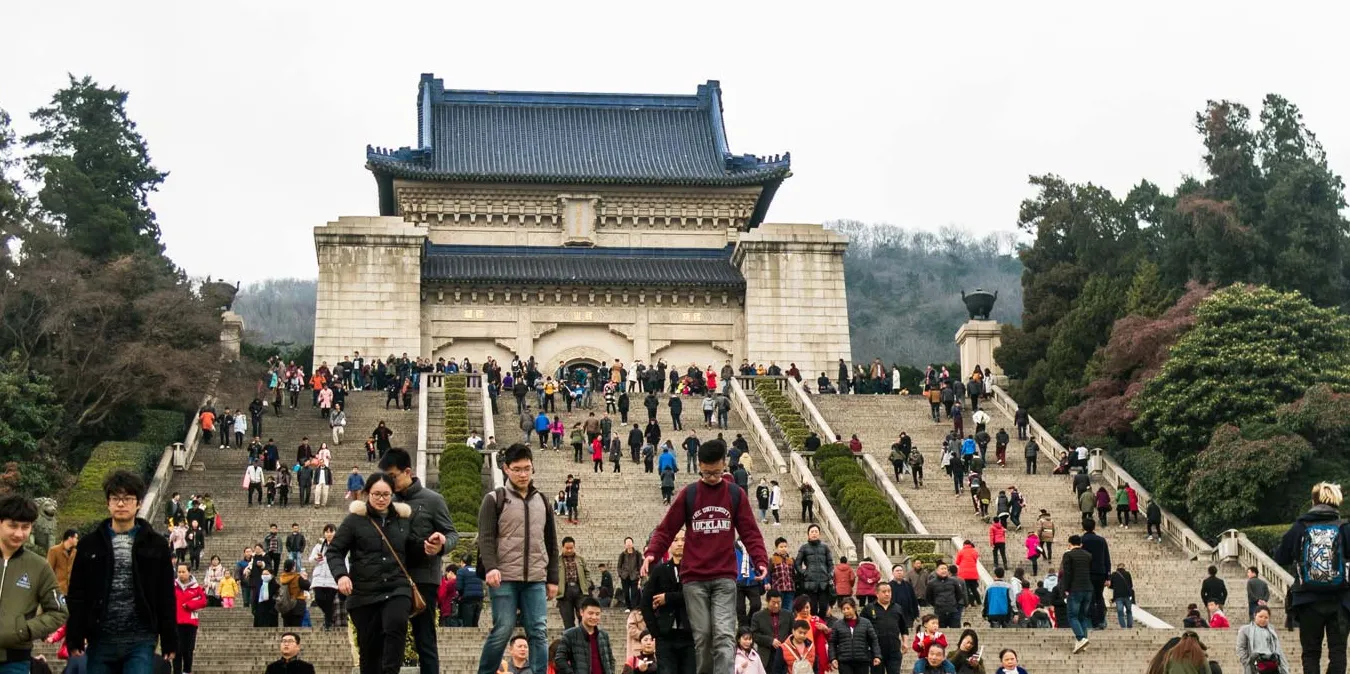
x=393 y=552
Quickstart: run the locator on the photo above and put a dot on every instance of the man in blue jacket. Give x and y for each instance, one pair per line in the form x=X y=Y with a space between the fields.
x=667 y=460
x=998 y=601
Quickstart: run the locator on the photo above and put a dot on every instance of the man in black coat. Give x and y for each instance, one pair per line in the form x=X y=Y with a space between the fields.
x=431 y=516
x=1213 y=589
x=121 y=597
x=676 y=407
x=651 y=403
x=891 y=624
x=635 y=442
x=905 y=596
x=1101 y=569
x=664 y=613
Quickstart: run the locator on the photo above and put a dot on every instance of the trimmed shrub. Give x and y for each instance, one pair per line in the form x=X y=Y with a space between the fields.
x=85 y=505
x=461 y=468
x=1266 y=537
x=918 y=547
x=161 y=427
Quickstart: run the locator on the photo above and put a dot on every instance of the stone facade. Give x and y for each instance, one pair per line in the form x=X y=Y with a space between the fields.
x=976 y=341
x=796 y=306
x=370 y=276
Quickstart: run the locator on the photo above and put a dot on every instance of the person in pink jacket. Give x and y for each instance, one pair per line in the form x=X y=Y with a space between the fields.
x=868 y=577
x=1033 y=551
x=844 y=577
x=967 y=569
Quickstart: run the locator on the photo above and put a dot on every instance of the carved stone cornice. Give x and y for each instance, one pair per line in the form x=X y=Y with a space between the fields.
x=552 y=296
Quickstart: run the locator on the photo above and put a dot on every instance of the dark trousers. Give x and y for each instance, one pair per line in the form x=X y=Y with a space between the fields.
x=255 y=488
x=1323 y=618
x=949 y=619
x=973 y=592
x=631 y=593
x=675 y=654
x=819 y=602
x=424 y=632
x=326 y=599
x=807 y=514
x=257 y=426
x=1049 y=550
x=747 y=602
x=934 y=407
x=1097 y=610
x=1001 y=550
x=1021 y=432
x=295 y=618
x=274 y=561
x=469 y=610
x=187 y=643
x=568 y=606
x=890 y=663
x=916 y=472
x=675 y=422
x=381 y=632
x=899 y=470
x=1031 y=465
x=857 y=667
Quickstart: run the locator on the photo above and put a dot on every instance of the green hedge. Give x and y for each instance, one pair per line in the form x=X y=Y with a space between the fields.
x=783 y=414
x=84 y=505
x=1266 y=537
x=461 y=468
x=854 y=496
x=161 y=427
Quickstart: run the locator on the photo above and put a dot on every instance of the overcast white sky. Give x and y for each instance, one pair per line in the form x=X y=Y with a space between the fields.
x=921 y=116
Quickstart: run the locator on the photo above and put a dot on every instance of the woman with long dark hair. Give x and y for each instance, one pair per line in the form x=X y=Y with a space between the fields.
x=1187 y=657
x=321 y=580
x=378 y=535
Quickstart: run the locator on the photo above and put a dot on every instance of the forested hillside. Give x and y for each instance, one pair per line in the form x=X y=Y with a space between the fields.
x=904 y=288
x=278 y=310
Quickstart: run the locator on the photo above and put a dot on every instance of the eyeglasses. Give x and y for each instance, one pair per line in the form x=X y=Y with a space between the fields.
x=382 y=494
x=122 y=500
x=711 y=473
x=522 y=470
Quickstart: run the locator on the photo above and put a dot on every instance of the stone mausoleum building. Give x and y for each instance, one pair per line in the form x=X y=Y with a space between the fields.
x=578 y=227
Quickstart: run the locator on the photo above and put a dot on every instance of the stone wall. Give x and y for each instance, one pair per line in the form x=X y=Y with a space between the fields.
x=796 y=306
x=370 y=275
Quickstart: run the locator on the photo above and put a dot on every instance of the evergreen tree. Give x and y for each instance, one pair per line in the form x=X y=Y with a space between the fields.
x=95 y=172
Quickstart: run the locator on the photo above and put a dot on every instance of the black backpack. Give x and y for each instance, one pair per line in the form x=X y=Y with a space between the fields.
x=737 y=494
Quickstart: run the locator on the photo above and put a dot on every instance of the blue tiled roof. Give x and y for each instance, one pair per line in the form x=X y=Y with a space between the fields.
x=680 y=267
x=495 y=136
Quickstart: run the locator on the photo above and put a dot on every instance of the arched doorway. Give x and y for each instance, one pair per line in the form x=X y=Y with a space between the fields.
x=589 y=360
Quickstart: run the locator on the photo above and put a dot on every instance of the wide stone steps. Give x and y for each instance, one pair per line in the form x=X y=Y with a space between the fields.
x=613 y=506
x=1165 y=582
x=227 y=649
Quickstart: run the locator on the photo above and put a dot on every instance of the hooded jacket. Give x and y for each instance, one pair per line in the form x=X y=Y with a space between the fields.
x=712 y=530
x=375 y=574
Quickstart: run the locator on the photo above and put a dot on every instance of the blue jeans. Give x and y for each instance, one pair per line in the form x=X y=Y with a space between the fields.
x=1125 y=613
x=532 y=601
x=1078 y=613
x=129 y=658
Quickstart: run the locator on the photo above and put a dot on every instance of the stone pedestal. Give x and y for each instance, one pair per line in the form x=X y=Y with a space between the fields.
x=976 y=341
x=796 y=308
x=231 y=334
x=369 y=294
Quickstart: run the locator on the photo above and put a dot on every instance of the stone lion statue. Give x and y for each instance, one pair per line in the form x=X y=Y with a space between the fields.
x=44 y=529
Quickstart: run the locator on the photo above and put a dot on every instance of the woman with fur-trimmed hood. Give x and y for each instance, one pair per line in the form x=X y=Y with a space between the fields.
x=379 y=594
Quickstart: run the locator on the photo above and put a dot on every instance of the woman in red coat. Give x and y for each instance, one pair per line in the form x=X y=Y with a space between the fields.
x=189 y=598
x=820 y=631
x=868 y=577
x=967 y=569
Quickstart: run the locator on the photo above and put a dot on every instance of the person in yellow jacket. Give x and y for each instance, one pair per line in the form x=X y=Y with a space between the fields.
x=229 y=590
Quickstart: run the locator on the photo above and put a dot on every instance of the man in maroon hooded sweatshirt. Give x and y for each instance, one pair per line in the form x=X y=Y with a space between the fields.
x=712 y=511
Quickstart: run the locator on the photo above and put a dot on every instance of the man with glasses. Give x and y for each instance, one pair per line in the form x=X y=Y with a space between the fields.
x=712 y=512
x=290 y=662
x=518 y=560
x=119 y=607
x=429 y=514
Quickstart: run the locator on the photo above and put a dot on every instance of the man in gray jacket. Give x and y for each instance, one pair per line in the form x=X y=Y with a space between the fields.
x=430 y=514
x=518 y=560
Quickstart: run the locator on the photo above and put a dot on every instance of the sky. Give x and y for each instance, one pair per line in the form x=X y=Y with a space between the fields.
x=919 y=116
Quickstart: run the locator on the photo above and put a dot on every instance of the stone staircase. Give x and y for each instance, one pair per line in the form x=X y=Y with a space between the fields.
x=613 y=506
x=1165 y=581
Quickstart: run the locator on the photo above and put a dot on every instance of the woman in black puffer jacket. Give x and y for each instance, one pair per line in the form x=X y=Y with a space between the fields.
x=379 y=596
x=853 y=641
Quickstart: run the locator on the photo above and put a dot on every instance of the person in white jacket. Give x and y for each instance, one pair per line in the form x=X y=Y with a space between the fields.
x=326 y=596
x=253 y=481
x=240 y=429
x=775 y=500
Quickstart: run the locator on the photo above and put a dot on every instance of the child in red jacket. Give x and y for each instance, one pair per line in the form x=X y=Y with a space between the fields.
x=189 y=597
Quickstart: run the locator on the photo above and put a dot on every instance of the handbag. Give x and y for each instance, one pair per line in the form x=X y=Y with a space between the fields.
x=220 y=523
x=1264 y=662
x=418 y=603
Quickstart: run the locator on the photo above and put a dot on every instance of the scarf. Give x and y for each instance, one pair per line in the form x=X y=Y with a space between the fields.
x=263 y=593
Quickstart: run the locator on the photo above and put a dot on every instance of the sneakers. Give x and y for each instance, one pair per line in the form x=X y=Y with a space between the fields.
x=1079 y=645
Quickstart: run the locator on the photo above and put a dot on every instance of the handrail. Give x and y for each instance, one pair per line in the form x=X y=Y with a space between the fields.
x=740 y=402
x=475 y=380
x=1176 y=531
x=159 y=482
x=427 y=385
x=808 y=410
x=872 y=548
x=1250 y=554
x=830 y=523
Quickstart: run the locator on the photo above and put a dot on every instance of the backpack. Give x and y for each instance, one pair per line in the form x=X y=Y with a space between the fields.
x=499 y=499
x=1322 y=565
x=688 y=498
x=285 y=603
x=1050 y=581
